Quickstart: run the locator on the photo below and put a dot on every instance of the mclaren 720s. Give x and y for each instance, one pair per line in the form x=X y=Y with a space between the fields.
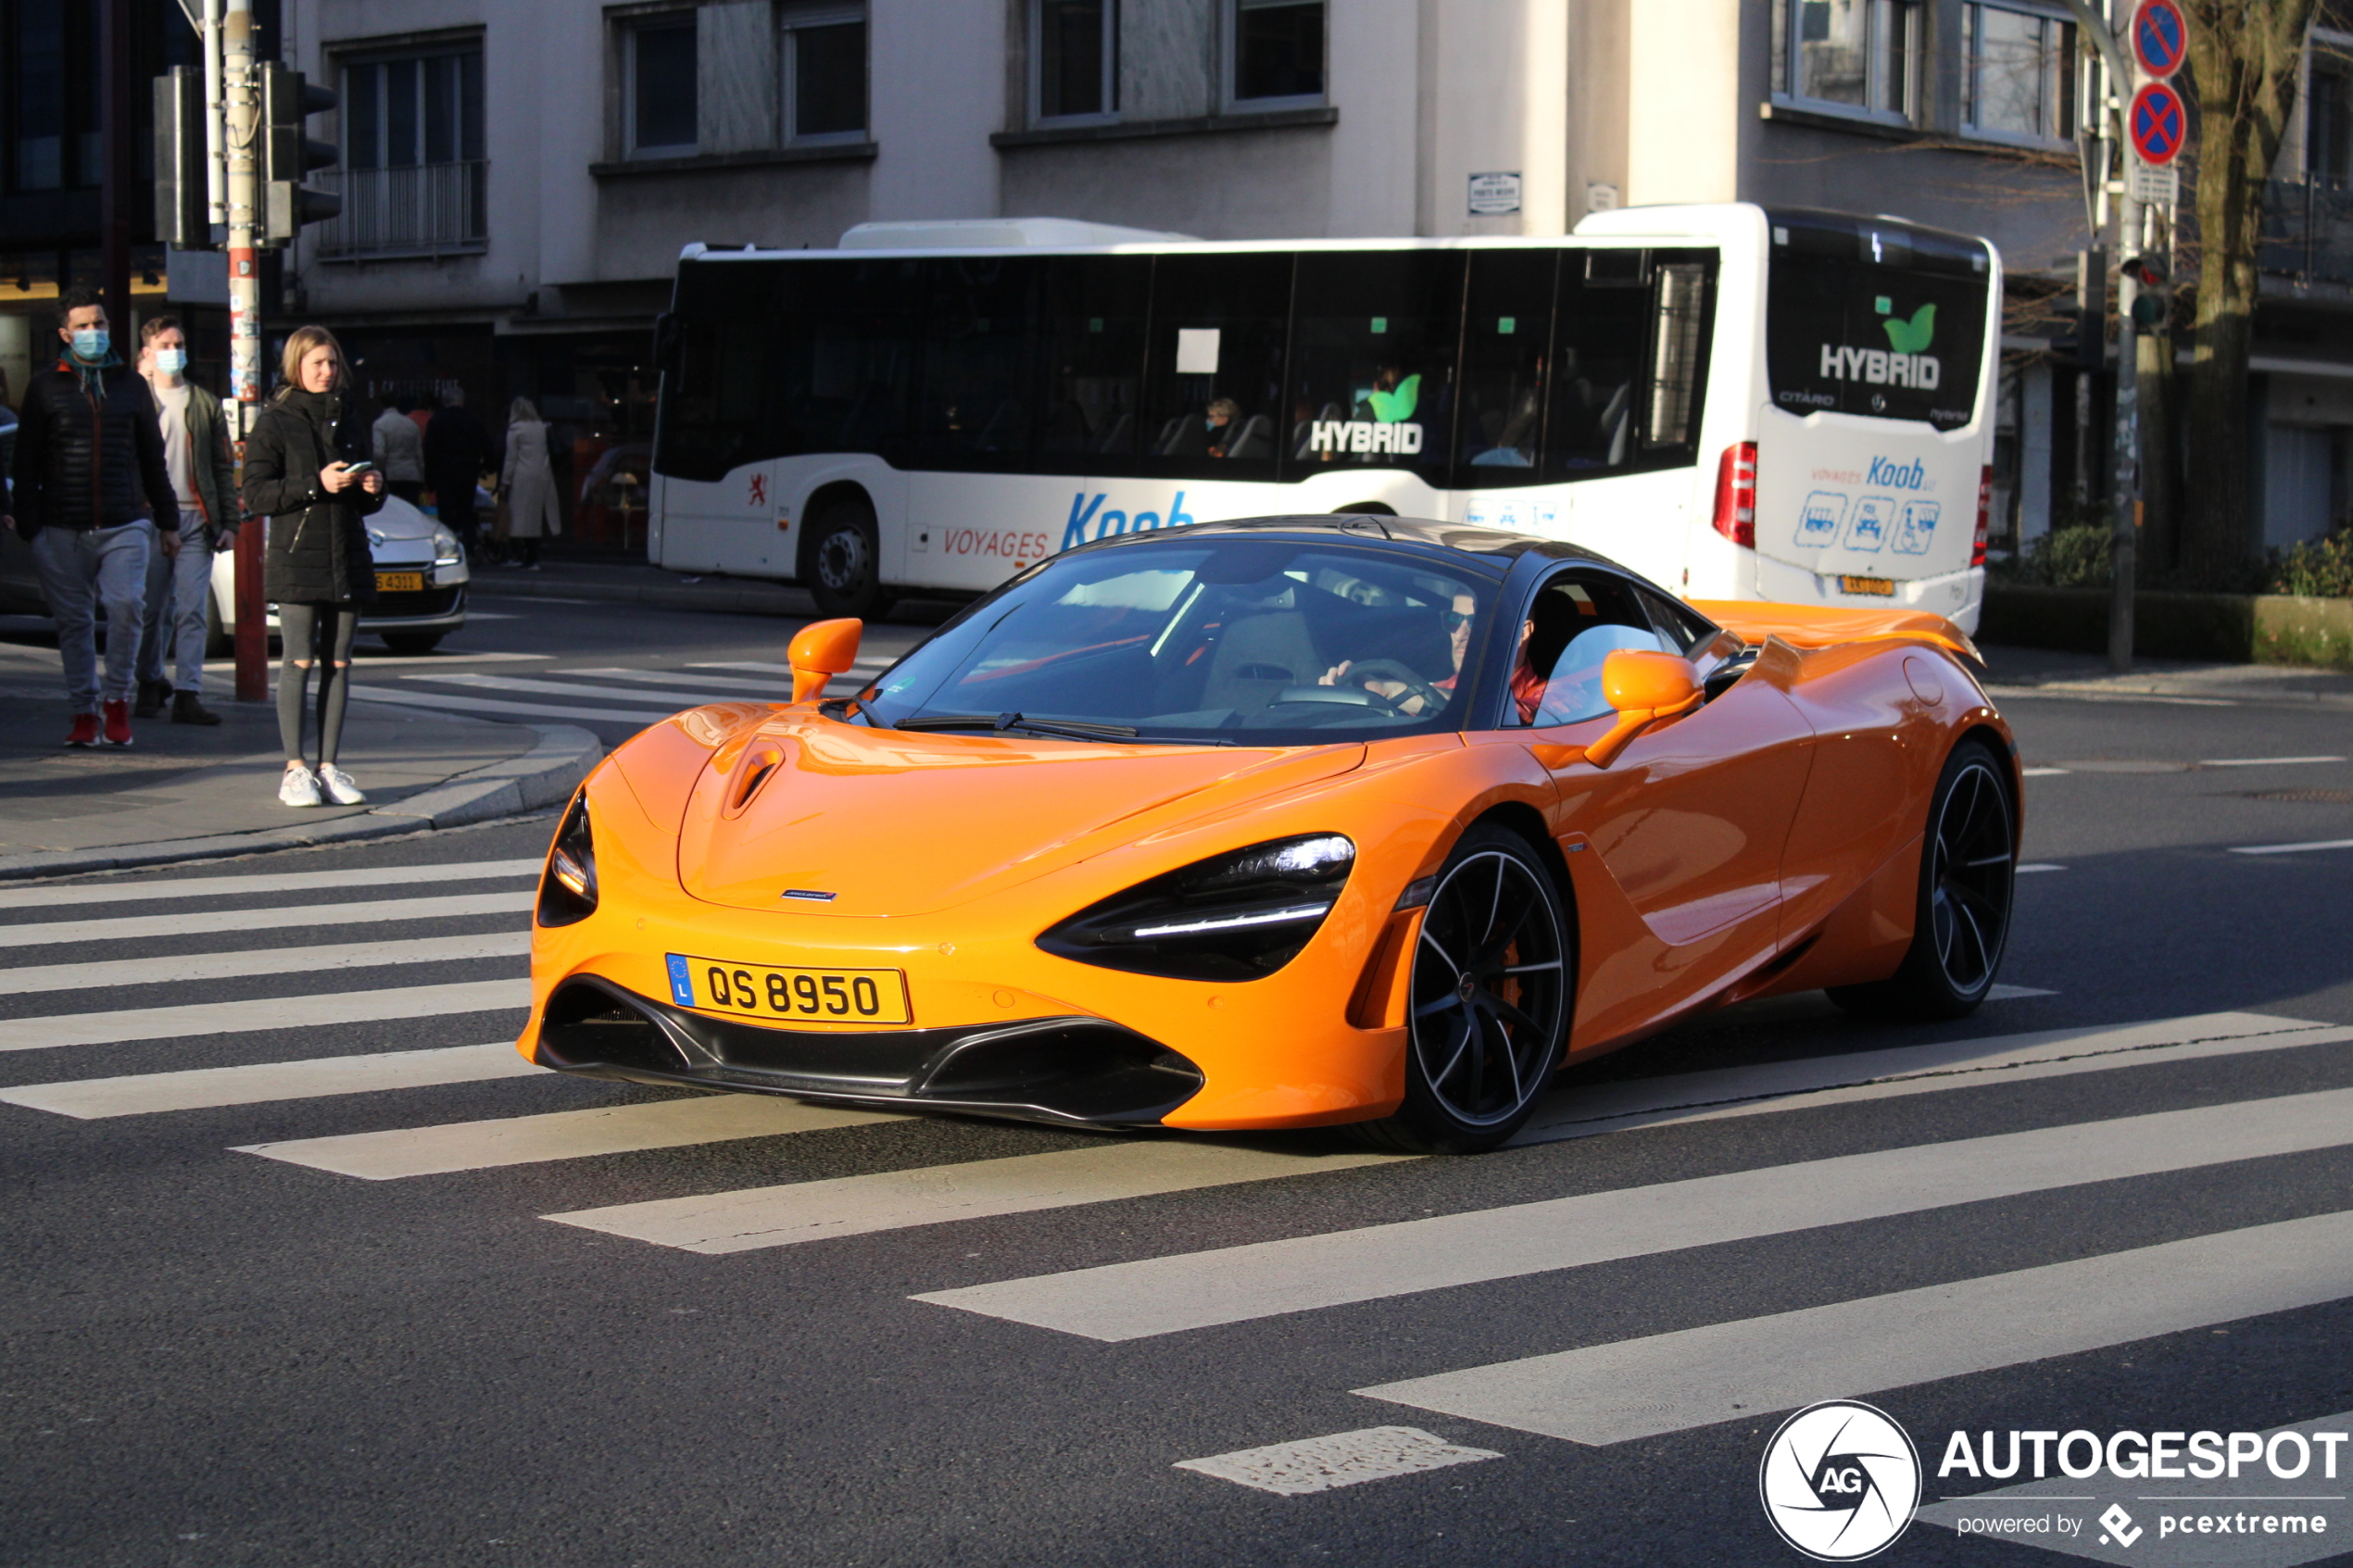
x=1286 y=822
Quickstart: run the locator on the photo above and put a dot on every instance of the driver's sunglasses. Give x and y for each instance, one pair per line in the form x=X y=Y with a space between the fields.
x=1455 y=619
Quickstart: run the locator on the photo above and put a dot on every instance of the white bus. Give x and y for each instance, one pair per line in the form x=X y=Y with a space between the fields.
x=1736 y=402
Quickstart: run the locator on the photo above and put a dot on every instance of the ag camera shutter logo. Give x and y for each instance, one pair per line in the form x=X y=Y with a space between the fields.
x=1839 y=1481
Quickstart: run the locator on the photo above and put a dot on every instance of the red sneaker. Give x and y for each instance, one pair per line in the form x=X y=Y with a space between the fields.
x=118 y=723
x=86 y=729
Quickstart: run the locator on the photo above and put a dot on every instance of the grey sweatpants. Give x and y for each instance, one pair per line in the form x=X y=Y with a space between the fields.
x=179 y=589
x=87 y=573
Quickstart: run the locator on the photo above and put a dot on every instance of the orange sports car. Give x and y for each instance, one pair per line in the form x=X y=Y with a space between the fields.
x=1281 y=823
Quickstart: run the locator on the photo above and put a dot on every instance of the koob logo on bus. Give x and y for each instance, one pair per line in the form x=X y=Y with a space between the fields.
x=1839 y=1481
x=1905 y=360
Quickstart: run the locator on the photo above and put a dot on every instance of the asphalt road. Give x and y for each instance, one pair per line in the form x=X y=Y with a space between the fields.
x=345 y=1349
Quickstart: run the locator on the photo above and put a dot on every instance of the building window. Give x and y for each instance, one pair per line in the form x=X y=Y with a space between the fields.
x=1851 y=56
x=2015 y=80
x=2328 y=112
x=1278 y=53
x=1077 y=50
x=824 y=55
x=411 y=174
x=659 y=83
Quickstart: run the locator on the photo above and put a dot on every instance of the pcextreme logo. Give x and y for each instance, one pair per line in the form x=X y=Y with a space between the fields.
x=1905 y=360
x=1840 y=1480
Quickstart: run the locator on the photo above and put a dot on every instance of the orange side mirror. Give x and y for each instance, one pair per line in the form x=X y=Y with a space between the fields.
x=820 y=652
x=1643 y=688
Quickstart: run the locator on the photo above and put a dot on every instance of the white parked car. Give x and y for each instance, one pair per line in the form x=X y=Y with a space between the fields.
x=421 y=584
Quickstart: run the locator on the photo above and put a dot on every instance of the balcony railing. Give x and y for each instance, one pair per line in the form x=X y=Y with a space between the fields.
x=2308 y=231
x=427 y=209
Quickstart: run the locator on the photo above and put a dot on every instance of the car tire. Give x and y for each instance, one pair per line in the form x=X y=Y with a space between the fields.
x=413 y=641
x=1491 y=1001
x=1961 y=923
x=841 y=560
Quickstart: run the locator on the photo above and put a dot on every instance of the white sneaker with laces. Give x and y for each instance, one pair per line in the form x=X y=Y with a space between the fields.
x=339 y=787
x=298 y=788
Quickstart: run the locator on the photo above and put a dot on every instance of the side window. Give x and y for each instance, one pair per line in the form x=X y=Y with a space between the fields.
x=717 y=416
x=1630 y=359
x=1577 y=621
x=1372 y=365
x=1095 y=310
x=845 y=368
x=1681 y=626
x=975 y=408
x=1213 y=406
x=1507 y=331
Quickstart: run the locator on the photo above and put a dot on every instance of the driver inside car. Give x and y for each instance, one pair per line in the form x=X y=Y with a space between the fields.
x=1527 y=686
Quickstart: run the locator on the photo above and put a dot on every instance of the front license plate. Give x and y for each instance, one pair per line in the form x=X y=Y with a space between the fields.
x=805 y=995
x=400 y=582
x=1878 y=586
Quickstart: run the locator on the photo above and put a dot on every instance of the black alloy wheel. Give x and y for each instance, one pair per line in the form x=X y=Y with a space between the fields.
x=1961 y=924
x=1487 y=1018
x=841 y=560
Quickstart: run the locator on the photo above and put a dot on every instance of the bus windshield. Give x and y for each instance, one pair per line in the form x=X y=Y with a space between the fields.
x=1247 y=641
x=1862 y=318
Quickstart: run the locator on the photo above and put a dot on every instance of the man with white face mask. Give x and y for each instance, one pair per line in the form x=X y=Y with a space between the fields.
x=204 y=481
x=92 y=497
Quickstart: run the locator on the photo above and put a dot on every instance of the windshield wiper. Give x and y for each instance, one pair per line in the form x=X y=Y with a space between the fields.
x=1058 y=729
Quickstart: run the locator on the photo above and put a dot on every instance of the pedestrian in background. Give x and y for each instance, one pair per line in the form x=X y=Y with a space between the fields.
x=298 y=475
x=399 y=448
x=456 y=453
x=92 y=498
x=204 y=482
x=527 y=485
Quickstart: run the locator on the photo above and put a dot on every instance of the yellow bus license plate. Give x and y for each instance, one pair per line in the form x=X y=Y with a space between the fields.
x=805 y=995
x=400 y=582
x=1878 y=586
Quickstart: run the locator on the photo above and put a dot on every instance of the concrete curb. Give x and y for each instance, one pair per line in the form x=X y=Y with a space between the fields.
x=544 y=775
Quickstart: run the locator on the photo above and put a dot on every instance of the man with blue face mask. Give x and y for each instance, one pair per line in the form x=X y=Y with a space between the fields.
x=93 y=496
x=204 y=479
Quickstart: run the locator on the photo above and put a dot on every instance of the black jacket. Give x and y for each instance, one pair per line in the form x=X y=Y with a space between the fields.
x=318 y=544
x=85 y=461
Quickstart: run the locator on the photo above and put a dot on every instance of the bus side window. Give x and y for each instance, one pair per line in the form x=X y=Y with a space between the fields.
x=845 y=355
x=1507 y=332
x=719 y=413
x=1215 y=379
x=977 y=397
x=1600 y=329
x=1372 y=363
x=1680 y=317
x=1094 y=309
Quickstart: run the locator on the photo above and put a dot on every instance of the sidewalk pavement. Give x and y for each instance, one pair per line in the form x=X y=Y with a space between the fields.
x=185 y=792
x=2029 y=671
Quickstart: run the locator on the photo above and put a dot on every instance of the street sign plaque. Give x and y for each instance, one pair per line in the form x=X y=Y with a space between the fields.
x=2155 y=185
x=2160 y=37
x=2157 y=123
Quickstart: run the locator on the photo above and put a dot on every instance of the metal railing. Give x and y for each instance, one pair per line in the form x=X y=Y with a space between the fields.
x=426 y=209
x=2308 y=231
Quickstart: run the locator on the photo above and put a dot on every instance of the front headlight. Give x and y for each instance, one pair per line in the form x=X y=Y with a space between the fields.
x=1237 y=916
x=568 y=888
x=446 y=551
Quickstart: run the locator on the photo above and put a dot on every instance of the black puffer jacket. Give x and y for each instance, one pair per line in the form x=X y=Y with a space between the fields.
x=318 y=544
x=84 y=461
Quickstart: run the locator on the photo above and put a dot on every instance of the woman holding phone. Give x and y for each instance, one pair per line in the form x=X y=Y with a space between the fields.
x=306 y=473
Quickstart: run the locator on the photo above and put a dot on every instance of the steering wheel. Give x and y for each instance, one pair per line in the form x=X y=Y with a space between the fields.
x=1391 y=670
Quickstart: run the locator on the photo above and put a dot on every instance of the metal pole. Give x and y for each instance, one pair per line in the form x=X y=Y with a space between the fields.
x=244 y=334
x=119 y=119
x=2124 y=489
x=216 y=177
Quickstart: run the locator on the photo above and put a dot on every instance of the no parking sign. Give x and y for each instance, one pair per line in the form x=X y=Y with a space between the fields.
x=2157 y=123
x=2160 y=37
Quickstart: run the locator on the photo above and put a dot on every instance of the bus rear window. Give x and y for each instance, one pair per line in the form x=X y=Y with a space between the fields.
x=1862 y=318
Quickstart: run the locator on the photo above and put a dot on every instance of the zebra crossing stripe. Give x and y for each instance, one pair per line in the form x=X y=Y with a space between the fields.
x=559 y=1135
x=110 y=972
x=377 y=911
x=204 y=1088
x=780 y=690
x=327 y=1010
x=573 y=688
x=1169 y=1295
x=1742 y=1370
x=779 y=1216
x=490 y=705
x=260 y=884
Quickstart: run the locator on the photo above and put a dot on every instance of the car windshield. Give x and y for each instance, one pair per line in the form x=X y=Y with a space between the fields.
x=1247 y=640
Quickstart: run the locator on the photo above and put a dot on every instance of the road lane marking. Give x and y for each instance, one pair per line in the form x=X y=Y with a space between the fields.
x=575 y=688
x=332 y=1010
x=1344 y=1459
x=1173 y=1294
x=867 y=665
x=2264 y=761
x=1743 y=1369
x=780 y=1216
x=254 y=884
x=559 y=1135
x=2042 y=772
x=2039 y=866
x=204 y=1088
x=2002 y=993
x=676 y=678
x=486 y=704
x=114 y=973
x=377 y=911
x=2295 y=848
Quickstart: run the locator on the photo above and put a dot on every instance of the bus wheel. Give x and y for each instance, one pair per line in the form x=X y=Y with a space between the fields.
x=841 y=561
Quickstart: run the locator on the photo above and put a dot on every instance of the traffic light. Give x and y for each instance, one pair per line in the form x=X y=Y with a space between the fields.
x=182 y=216
x=288 y=157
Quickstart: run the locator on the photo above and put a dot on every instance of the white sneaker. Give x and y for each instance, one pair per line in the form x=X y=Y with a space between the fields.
x=298 y=788
x=339 y=787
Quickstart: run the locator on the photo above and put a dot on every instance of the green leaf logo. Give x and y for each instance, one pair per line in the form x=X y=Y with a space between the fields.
x=1912 y=336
